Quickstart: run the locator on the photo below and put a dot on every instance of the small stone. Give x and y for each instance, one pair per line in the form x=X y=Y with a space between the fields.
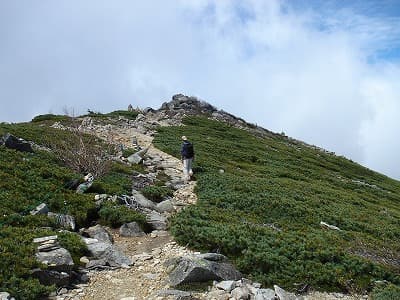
x=84 y=260
x=62 y=291
x=257 y=285
x=240 y=293
x=156 y=251
x=227 y=285
x=218 y=294
x=142 y=257
x=150 y=276
x=283 y=295
x=265 y=294
x=44 y=239
x=4 y=296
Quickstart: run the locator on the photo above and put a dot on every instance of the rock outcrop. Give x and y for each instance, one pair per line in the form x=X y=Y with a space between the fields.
x=58 y=261
x=201 y=268
x=131 y=230
x=103 y=253
x=13 y=142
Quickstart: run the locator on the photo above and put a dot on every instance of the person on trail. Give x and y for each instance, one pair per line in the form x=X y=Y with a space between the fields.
x=187 y=154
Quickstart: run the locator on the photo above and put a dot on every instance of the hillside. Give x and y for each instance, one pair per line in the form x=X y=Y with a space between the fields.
x=261 y=200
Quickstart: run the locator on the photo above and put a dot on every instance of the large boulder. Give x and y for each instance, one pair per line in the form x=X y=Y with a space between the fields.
x=156 y=220
x=142 y=201
x=97 y=232
x=16 y=143
x=101 y=248
x=284 y=295
x=52 y=277
x=95 y=247
x=137 y=158
x=201 y=268
x=116 y=258
x=131 y=230
x=58 y=259
x=265 y=294
x=165 y=206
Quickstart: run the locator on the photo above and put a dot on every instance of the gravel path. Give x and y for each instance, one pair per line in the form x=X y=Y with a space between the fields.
x=147 y=276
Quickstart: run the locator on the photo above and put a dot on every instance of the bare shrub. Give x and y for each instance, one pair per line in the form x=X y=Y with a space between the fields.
x=81 y=151
x=84 y=153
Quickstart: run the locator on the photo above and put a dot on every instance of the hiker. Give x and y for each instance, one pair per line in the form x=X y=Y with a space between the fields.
x=187 y=154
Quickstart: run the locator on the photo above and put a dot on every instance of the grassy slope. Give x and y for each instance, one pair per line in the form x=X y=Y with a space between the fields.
x=27 y=180
x=272 y=181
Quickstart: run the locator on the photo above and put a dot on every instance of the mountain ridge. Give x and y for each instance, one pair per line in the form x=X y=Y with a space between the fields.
x=251 y=181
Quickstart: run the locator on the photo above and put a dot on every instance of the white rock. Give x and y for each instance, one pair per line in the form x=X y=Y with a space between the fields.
x=227 y=285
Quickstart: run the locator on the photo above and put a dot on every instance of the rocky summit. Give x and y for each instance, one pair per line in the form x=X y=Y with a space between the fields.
x=263 y=217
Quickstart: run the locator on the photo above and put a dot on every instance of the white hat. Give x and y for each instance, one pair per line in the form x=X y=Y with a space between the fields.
x=184 y=137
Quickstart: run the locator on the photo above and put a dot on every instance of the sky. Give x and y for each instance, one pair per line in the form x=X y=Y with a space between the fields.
x=325 y=72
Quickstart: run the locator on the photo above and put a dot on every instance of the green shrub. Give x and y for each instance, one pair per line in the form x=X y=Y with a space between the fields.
x=118 y=113
x=114 y=183
x=115 y=215
x=389 y=292
x=74 y=244
x=17 y=259
x=29 y=179
x=124 y=113
x=50 y=117
x=157 y=193
x=128 y=152
x=264 y=211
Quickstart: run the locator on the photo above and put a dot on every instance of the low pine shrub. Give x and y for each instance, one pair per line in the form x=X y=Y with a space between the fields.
x=264 y=210
x=389 y=292
x=114 y=215
x=74 y=244
x=50 y=117
x=157 y=193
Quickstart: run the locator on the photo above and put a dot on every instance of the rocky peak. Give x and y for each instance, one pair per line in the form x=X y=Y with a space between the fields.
x=189 y=104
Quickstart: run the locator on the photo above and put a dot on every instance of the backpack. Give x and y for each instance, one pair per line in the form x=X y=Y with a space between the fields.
x=187 y=150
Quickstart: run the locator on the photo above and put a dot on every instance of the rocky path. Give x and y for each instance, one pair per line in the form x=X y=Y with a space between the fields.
x=147 y=278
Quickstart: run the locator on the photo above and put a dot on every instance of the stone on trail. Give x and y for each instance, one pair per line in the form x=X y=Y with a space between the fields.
x=165 y=206
x=199 y=268
x=142 y=201
x=131 y=230
x=226 y=285
x=157 y=221
x=102 y=250
x=265 y=294
x=59 y=259
x=241 y=293
x=97 y=232
x=284 y=295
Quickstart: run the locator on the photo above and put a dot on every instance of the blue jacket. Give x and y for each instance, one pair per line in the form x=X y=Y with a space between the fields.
x=187 y=150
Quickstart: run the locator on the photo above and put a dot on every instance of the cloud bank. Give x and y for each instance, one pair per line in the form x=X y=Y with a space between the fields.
x=321 y=73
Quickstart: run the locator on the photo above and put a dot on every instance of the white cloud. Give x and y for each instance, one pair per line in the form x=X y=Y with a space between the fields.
x=302 y=71
x=379 y=133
